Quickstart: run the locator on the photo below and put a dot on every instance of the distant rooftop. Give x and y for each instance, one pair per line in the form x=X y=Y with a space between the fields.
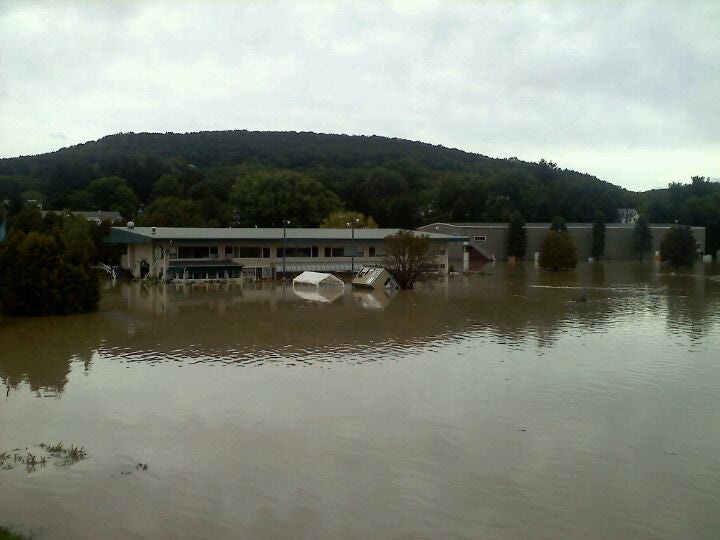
x=539 y=225
x=90 y=215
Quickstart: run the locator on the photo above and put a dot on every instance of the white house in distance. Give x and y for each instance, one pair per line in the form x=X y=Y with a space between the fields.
x=215 y=253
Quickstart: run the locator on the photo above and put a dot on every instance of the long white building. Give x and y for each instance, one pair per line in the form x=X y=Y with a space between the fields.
x=214 y=253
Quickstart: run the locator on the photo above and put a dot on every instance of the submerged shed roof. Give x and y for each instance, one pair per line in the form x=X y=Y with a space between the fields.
x=317 y=278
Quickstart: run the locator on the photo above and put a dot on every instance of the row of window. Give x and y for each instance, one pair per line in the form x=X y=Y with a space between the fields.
x=255 y=252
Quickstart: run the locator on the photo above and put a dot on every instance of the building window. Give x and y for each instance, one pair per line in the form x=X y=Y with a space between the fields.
x=480 y=238
x=299 y=251
x=345 y=251
x=194 y=252
x=249 y=252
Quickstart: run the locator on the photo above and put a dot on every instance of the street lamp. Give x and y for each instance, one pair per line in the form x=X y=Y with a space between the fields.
x=285 y=223
x=352 y=223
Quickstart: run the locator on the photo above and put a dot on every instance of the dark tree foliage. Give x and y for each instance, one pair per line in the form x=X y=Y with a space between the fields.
x=558 y=224
x=44 y=274
x=517 y=236
x=598 y=236
x=400 y=183
x=408 y=254
x=171 y=212
x=696 y=204
x=265 y=200
x=677 y=246
x=557 y=251
x=642 y=237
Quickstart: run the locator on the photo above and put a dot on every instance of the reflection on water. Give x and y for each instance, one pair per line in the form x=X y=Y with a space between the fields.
x=517 y=403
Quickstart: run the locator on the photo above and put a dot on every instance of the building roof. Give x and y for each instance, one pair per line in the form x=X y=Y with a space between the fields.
x=99 y=215
x=542 y=225
x=144 y=235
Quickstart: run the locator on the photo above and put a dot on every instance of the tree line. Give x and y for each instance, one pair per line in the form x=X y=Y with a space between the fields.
x=558 y=250
x=246 y=179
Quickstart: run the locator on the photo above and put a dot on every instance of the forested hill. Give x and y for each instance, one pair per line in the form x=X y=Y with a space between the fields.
x=259 y=178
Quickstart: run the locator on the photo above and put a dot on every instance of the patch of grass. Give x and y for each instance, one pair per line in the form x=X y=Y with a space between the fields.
x=9 y=534
x=60 y=454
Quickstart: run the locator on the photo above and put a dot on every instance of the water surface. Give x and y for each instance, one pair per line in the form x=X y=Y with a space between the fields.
x=513 y=404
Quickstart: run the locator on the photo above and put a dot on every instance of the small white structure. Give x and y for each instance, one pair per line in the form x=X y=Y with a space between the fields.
x=323 y=295
x=317 y=279
x=374 y=278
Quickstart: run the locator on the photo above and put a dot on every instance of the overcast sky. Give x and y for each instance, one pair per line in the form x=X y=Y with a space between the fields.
x=627 y=91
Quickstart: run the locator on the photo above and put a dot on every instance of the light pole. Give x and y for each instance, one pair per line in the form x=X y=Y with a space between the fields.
x=285 y=222
x=354 y=221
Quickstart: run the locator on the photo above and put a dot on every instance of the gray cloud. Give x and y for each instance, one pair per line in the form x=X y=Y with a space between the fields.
x=624 y=90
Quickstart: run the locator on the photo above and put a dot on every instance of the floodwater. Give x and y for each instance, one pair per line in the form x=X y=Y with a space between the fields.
x=512 y=404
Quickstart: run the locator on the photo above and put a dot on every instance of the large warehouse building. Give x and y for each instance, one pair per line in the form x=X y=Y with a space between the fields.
x=488 y=241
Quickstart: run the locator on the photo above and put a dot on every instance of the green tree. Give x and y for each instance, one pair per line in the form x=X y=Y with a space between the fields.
x=677 y=246
x=642 y=237
x=41 y=275
x=113 y=193
x=408 y=255
x=28 y=219
x=171 y=212
x=168 y=185
x=517 y=236
x=558 y=224
x=341 y=218
x=557 y=251
x=268 y=198
x=598 y=236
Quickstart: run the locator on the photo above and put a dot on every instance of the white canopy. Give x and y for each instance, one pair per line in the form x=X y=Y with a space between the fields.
x=324 y=295
x=316 y=278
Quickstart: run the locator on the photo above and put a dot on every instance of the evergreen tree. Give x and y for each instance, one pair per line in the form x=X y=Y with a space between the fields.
x=598 y=235
x=517 y=236
x=642 y=237
x=678 y=246
x=557 y=251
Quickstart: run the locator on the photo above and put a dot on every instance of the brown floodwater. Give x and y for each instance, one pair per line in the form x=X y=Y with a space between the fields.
x=511 y=404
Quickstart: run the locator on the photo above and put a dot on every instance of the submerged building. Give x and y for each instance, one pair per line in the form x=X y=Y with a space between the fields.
x=488 y=241
x=260 y=253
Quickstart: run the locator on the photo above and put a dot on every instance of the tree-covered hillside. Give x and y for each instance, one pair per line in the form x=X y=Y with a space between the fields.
x=398 y=182
x=260 y=178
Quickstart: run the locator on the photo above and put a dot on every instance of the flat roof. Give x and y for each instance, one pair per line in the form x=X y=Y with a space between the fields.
x=546 y=225
x=143 y=235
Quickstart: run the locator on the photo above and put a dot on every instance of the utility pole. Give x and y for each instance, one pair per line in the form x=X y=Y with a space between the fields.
x=352 y=223
x=285 y=222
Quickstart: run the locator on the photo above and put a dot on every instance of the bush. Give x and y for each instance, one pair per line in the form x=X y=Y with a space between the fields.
x=40 y=274
x=557 y=251
x=678 y=246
